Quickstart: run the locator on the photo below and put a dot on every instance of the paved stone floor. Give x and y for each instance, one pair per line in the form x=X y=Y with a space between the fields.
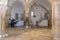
x=29 y=34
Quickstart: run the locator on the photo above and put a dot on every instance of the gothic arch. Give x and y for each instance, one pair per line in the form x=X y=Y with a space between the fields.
x=50 y=14
x=12 y=4
x=39 y=5
x=8 y=12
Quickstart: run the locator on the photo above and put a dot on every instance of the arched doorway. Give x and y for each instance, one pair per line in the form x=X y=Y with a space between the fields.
x=41 y=12
x=15 y=12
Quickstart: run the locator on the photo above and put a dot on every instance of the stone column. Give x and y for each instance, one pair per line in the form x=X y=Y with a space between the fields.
x=53 y=20
x=3 y=9
x=27 y=16
x=27 y=5
x=0 y=24
x=57 y=20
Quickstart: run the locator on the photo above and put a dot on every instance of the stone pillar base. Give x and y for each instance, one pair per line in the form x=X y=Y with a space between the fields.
x=4 y=35
x=27 y=26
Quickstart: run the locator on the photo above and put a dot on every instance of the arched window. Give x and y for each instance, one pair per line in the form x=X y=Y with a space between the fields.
x=17 y=16
x=46 y=16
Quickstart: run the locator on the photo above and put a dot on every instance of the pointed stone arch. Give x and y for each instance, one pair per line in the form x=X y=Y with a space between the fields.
x=10 y=7
x=50 y=13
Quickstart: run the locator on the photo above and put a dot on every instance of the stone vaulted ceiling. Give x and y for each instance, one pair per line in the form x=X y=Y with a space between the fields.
x=45 y=3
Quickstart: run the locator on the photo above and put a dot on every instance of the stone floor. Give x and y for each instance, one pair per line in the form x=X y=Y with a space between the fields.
x=29 y=34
